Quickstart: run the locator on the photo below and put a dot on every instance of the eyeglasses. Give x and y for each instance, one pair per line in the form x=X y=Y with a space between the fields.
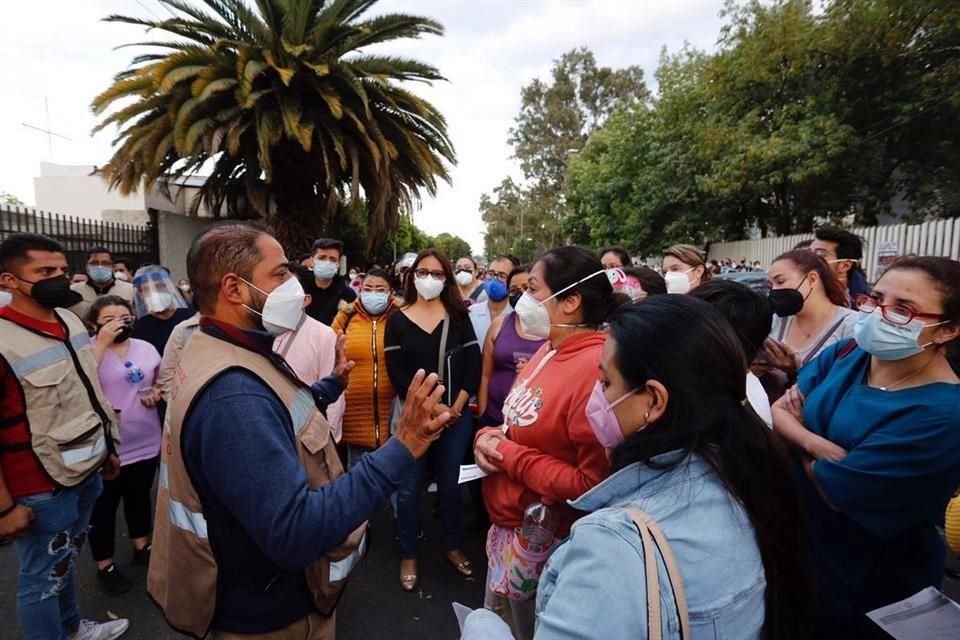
x=499 y=275
x=376 y=290
x=892 y=313
x=436 y=275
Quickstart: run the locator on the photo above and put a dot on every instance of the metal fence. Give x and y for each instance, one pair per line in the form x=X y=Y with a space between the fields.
x=936 y=238
x=77 y=235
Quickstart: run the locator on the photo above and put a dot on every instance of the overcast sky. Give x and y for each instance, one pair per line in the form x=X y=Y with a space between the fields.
x=58 y=50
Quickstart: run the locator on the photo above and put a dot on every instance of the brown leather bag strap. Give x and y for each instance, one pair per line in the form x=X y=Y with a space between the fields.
x=653 y=538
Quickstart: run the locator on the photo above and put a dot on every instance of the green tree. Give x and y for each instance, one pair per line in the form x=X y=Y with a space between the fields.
x=287 y=104
x=454 y=247
x=555 y=121
x=11 y=200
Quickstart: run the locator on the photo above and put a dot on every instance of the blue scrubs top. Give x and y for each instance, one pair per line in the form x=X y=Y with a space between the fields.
x=893 y=486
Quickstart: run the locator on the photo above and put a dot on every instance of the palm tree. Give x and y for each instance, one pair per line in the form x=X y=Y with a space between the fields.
x=286 y=106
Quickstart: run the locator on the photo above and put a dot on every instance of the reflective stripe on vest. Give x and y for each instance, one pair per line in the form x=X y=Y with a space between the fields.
x=48 y=356
x=178 y=513
x=82 y=454
x=340 y=569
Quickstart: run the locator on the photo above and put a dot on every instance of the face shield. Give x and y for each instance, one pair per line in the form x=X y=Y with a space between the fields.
x=155 y=291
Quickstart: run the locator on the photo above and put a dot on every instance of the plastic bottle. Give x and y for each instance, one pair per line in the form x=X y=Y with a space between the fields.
x=539 y=527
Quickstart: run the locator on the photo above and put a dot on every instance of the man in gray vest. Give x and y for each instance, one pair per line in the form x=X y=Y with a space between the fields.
x=56 y=432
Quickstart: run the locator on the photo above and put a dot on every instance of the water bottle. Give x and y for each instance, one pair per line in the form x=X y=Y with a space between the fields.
x=539 y=527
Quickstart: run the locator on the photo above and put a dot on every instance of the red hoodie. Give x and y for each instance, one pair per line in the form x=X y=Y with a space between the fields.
x=550 y=451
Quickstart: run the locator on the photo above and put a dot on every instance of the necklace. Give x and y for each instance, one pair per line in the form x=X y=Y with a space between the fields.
x=905 y=378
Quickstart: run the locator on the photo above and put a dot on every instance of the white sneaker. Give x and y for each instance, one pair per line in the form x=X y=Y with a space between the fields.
x=90 y=630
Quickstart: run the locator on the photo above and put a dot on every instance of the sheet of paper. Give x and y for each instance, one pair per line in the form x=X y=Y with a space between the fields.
x=461 y=611
x=926 y=615
x=470 y=472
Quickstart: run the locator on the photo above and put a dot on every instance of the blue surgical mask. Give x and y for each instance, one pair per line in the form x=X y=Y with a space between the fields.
x=886 y=341
x=375 y=302
x=100 y=275
x=325 y=270
x=497 y=289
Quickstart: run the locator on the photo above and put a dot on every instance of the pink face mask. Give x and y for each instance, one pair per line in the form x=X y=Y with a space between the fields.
x=602 y=419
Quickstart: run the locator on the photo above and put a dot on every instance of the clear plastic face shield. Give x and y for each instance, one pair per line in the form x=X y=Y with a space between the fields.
x=156 y=292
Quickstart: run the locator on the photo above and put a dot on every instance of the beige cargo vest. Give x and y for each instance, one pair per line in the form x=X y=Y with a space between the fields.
x=183 y=572
x=69 y=419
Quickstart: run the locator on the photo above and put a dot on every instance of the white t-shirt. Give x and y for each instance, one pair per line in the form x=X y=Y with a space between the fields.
x=757 y=397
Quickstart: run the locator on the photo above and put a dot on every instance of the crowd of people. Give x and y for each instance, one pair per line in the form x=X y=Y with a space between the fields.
x=663 y=450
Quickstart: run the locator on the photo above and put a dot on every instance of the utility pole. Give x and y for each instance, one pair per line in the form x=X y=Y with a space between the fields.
x=50 y=134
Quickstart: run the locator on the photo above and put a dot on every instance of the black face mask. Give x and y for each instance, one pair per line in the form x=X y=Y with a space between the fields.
x=125 y=332
x=788 y=302
x=515 y=298
x=53 y=292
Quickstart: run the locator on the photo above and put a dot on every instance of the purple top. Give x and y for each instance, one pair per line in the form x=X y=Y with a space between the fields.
x=121 y=381
x=508 y=349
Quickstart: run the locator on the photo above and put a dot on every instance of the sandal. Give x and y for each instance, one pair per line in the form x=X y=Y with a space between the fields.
x=464 y=567
x=408 y=581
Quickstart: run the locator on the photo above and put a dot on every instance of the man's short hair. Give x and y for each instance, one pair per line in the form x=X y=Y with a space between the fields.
x=125 y=261
x=98 y=249
x=327 y=243
x=849 y=245
x=14 y=249
x=230 y=247
x=748 y=312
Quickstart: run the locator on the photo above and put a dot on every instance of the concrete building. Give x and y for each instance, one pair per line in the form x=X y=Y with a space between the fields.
x=81 y=191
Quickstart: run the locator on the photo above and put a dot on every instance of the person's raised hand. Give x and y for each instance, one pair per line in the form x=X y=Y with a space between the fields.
x=418 y=427
x=107 y=334
x=342 y=367
x=485 y=450
x=781 y=356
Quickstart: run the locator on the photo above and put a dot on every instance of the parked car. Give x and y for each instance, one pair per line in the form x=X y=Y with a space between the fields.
x=756 y=280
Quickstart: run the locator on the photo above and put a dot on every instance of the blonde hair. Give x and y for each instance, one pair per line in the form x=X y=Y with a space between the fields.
x=690 y=255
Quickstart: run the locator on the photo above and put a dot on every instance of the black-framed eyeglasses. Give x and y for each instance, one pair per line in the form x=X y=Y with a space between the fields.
x=893 y=313
x=499 y=275
x=436 y=275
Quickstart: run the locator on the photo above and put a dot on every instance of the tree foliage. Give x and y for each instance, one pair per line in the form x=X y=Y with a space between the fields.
x=554 y=123
x=800 y=116
x=11 y=200
x=287 y=104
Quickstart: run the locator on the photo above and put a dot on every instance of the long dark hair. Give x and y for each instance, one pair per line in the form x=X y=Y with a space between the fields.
x=565 y=265
x=450 y=296
x=704 y=370
x=807 y=261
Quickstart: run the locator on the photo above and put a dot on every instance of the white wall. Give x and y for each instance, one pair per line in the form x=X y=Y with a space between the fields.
x=74 y=190
x=936 y=238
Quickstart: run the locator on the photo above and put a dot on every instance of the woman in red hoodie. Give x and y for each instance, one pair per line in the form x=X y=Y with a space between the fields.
x=546 y=451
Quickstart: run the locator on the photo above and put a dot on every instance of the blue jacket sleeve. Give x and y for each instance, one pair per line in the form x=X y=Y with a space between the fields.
x=326 y=392
x=239 y=439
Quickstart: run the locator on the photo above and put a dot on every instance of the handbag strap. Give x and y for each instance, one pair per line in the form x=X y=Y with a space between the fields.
x=443 y=347
x=823 y=340
x=652 y=538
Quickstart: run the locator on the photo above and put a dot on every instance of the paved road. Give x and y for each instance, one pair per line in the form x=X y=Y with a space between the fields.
x=373 y=607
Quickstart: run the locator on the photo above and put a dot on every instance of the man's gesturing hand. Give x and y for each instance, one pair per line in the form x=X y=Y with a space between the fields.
x=417 y=429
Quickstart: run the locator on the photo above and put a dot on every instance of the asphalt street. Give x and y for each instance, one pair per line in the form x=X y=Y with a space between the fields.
x=374 y=606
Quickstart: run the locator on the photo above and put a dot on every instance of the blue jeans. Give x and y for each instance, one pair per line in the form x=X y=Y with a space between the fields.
x=447 y=456
x=46 y=593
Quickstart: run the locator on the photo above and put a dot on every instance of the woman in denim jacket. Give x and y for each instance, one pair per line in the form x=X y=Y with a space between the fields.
x=688 y=450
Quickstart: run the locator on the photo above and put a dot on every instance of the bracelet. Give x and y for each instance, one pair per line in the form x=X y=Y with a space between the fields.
x=8 y=510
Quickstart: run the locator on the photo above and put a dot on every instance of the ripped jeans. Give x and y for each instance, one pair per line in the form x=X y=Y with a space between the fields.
x=46 y=591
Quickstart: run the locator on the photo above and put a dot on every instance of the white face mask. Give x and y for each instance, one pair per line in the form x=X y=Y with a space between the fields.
x=678 y=281
x=121 y=275
x=428 y=287
x=283 y=308
x=157 y=301
x=534 y=319
x=5 y=298
x=533 y=314
x=464 y=278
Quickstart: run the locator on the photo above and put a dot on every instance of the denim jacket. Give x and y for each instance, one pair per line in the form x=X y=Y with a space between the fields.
x=594 y=585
